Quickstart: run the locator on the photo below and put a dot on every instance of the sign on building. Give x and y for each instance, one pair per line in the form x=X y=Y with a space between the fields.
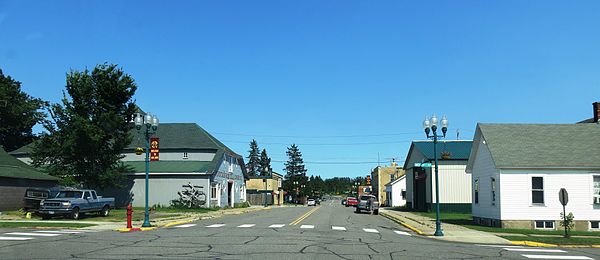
x=154 y=151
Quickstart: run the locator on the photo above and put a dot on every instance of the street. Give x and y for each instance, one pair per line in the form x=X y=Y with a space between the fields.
x=328 y=231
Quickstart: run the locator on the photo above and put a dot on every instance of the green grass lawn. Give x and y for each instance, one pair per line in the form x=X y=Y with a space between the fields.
x=466 y=220
x=43 y=224
x=557 y=240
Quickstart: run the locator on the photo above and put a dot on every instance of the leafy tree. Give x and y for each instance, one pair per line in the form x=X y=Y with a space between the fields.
x=88 y=131
x=19 y=112
x=265 y=164
x=567 y=222
x=295 y=165
x=253 y=165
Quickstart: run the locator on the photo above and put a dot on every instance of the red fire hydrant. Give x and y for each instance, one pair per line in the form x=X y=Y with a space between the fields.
x=129 y=215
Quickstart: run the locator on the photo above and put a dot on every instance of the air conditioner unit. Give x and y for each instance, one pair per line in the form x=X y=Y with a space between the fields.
x=596 y=200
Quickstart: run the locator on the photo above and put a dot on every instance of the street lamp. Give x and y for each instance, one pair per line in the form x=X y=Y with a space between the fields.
x=432 y=124
x=267 y=173
x=151 y=125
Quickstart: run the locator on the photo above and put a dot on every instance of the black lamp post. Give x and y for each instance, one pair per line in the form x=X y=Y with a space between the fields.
x=151 y=125
x=433 y=125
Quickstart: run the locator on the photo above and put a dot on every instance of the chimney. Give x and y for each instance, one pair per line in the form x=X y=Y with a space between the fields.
x=596 y=111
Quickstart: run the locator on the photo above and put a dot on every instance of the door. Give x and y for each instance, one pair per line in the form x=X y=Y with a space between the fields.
x=420 y=189
x=230 y=194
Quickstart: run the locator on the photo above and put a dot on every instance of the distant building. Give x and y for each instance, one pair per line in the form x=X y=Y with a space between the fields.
x=257 y=187
x=454 y=183
x=15 y=177
x=382 y=175
x=396 y=192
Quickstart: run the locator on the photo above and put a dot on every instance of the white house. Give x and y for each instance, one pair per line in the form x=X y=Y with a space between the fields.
x=455 y=185
x=518 y=169
x=396 y=192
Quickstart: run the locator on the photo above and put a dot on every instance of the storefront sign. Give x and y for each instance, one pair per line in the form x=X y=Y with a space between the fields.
x=154 y=151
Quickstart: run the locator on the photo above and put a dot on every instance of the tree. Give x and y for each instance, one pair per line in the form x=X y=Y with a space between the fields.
x=265 y=164
x=19 y=112
x=567 y=222
x=295 y=165
x=253 y=165
x=89 y=130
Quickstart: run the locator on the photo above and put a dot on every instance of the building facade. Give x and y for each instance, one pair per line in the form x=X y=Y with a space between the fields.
x=396 y=192
x=382 y=175
x=258 y=187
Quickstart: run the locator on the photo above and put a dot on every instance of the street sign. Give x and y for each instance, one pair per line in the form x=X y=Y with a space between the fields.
x=423 y=165
x=563 y=196
x=154 y=150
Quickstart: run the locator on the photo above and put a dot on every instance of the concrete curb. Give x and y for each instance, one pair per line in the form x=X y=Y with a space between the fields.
x=123 y=230
x=389 y=216
x=538 y=244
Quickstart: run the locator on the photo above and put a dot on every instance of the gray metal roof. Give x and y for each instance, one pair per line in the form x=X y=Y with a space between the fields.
x=543 y=145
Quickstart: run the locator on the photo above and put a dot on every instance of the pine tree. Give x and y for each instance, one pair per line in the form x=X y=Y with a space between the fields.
x=253 y=160
x=295 y=165
x=265 y=164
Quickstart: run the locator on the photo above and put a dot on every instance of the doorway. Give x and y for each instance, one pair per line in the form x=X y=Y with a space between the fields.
x=230 y=194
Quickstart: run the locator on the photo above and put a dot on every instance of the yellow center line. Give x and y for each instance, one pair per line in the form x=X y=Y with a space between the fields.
x=304 y=216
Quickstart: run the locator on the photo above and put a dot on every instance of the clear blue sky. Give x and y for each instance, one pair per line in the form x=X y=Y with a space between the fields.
x=309 y=72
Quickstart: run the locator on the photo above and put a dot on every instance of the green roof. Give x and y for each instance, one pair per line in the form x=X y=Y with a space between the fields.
x=11 y=167
x=171 y=166
x=23 y=150
x=542 y=145
x=458 y=149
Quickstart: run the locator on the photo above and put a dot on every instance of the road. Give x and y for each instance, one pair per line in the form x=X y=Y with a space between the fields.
x=328 y=231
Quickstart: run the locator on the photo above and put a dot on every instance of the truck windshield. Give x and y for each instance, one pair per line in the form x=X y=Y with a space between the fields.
x=69 y=194
x=364 y=197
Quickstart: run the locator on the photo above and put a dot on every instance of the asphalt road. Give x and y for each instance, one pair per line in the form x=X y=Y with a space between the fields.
x=329 y=231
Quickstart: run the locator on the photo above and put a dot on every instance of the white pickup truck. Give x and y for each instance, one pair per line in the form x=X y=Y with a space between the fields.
x=368 y=203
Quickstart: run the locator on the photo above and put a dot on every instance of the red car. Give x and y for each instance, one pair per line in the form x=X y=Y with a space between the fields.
x=351 y=201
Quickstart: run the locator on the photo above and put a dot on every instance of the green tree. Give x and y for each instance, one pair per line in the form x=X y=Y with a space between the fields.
x=567 y=223
x=19 y=112
x=265 y=164
x=253 y=165
x=295 y=164
x=89 y=130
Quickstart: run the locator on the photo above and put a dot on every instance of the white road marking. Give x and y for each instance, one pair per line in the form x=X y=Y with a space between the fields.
x=541 y=250
x=246 y=225
x=185 y=225
x=16 y=238
x=402 y=233
x=574 y=257
x=59 y=231
x=370 y=230
x=216 y=225
x=277 y=225
x=32 y=234
x=307 y=226
x=338 y=228
x=81 y=230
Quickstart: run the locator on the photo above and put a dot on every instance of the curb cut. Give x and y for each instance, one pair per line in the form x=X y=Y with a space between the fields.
x=174 y=223
x=123 y=230
x=389 y=216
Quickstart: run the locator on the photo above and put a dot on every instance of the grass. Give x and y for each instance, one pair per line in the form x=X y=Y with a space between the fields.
x=43 y=224
x=466 y=220
x=557 y=240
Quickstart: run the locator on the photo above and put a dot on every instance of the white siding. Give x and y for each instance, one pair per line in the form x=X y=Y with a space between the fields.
x=483 y=170
x=172 y=156
x=163 y=190
x=396 y=190
x=455 y=184
x=516 y=195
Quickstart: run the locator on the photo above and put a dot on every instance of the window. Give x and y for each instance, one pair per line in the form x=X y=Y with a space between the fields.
x=537 y=190
x=476 y=189
x=596 y=190
x=403 y=193
x=544 y=224
x=185 y=155
x=213 y=192
x=493 y=188
x=94 y=195
x=595 y=225
x=87 y=195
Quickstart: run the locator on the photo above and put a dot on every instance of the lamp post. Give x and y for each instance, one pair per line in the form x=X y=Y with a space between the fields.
x=432 y=124
x=296 y=195
x=151 y=125
x=266 y=175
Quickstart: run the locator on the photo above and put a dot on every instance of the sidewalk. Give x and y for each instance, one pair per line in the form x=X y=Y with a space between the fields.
x=426 y=226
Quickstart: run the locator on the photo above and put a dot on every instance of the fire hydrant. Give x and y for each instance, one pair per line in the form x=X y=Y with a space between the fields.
x=129 y=215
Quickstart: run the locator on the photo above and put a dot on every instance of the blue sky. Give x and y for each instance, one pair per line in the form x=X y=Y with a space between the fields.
x=345 y=80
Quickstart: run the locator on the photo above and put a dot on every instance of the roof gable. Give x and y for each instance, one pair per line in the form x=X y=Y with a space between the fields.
x=11 y=167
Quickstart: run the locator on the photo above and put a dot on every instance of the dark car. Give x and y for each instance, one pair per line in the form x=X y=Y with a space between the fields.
x=33 y=197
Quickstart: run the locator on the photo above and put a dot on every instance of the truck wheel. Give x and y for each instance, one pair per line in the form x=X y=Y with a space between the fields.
x=105 y=211
x=45 y=216
x=75 y=213
x=376 y=212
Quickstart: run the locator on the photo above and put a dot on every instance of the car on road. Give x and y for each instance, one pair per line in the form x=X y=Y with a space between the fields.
x=311 y=202
x=72 y=203
x=368 y=203
x=351 y=201
x=343 y=201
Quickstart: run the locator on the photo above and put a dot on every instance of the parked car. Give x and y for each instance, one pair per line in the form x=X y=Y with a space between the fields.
x=368 y=203
x=311 y=202
x=33 y=197
x=351 y=201
x=73 y=203
x=343 y=201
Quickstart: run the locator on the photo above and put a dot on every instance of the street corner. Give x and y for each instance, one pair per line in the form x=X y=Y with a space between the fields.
x=531 y=243
x=404 y=224
x=175 y=223
x=127 y=230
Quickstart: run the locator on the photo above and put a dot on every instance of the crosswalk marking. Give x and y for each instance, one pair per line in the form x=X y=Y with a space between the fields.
x=277 y=225
x=215 y=225
x=402 y=233
x=573 y=257
x=307 y=226
x=58 y=231
x=503 y=246
x=246 y=225
x=16 y=238
x=370 y=230
x=185 y=225
x=338 y=228
x=541 y=250
x=32 y=234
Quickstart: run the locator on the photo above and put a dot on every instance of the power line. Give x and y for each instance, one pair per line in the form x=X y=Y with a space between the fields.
x=322 y=144
x=334 y=163
x=317 y=136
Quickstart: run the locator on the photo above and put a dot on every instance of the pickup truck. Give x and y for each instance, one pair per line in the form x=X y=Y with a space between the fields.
x=73 y=203
x=368 y=203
